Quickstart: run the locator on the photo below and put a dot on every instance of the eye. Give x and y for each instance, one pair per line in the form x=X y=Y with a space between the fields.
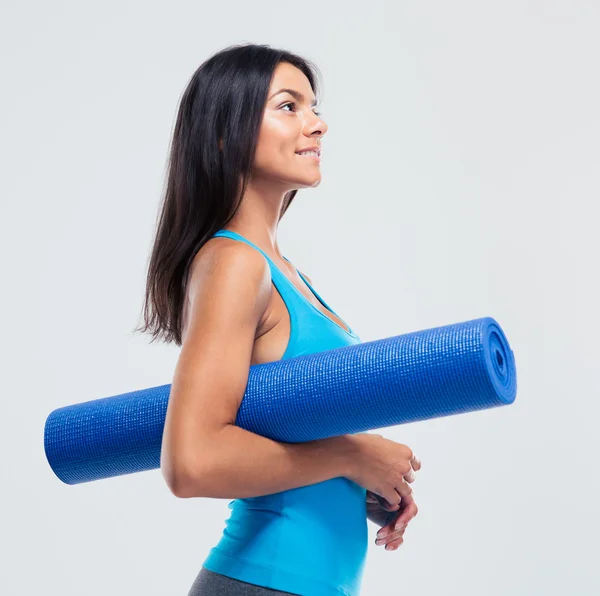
x=293 y=103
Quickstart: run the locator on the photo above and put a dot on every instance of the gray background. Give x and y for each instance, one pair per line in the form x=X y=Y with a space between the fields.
x=460 y=180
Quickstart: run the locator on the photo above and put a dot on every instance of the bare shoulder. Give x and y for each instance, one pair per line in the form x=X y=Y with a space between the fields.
x=223 y=255
x=229 y=274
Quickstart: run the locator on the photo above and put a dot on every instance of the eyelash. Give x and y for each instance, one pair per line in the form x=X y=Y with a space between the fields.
x=293 y=103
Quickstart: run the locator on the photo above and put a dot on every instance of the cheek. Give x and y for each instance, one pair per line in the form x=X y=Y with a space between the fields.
x=277 y=140
x=276 y=156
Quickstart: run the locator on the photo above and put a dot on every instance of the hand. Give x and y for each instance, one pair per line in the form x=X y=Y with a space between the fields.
x=393 y=518
x=383 y=467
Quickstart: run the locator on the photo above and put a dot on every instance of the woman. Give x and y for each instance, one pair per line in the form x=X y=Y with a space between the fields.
x=247 y=137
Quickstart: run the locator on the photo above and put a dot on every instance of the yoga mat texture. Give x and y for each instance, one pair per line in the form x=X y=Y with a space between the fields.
x=406 y=378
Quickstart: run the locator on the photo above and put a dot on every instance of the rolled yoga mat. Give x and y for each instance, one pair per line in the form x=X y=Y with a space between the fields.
x=417 y=376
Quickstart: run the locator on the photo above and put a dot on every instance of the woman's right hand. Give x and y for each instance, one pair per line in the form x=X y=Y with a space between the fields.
x=383 y=467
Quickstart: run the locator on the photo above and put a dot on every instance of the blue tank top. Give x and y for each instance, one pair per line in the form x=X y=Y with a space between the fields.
x=310 y=540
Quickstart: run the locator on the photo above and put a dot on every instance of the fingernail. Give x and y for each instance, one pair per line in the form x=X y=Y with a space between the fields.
x=382 y=533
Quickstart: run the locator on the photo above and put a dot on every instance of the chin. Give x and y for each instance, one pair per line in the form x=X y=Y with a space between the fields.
x=310 y=182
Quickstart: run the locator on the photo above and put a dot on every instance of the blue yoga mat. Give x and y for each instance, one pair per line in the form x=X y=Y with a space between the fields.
x=417 y=376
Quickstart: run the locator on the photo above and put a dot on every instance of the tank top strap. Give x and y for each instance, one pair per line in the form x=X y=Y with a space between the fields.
x=312 y=289
x=282 y=283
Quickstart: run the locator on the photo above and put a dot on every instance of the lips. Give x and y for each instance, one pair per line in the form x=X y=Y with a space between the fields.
x=314 y=148
x=310 y=155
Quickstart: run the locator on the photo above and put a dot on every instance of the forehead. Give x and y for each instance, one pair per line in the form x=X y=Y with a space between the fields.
x=288 y=76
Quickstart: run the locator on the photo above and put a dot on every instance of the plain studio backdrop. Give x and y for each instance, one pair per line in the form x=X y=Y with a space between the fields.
x=461 y=179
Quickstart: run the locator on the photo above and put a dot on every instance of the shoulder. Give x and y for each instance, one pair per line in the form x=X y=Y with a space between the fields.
x=221 y=249
x=232 y=273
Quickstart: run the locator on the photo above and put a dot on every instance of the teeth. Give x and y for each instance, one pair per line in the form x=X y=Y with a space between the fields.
x=309 y=153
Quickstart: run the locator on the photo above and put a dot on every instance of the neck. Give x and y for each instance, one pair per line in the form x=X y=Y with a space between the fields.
x=257 y=217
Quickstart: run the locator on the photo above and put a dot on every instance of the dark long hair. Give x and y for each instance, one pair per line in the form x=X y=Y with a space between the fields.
x=224 y=100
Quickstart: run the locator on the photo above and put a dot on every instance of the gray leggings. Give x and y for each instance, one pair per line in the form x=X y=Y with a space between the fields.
x=208 y=583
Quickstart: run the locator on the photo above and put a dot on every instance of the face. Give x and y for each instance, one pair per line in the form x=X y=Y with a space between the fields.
x=290 y=124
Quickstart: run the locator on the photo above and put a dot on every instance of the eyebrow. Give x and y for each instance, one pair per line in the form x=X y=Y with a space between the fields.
x=299 y=96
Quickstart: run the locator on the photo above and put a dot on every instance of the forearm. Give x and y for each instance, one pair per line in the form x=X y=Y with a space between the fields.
x=241 y=464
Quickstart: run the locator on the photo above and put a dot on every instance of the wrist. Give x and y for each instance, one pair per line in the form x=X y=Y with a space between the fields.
x=350 y=454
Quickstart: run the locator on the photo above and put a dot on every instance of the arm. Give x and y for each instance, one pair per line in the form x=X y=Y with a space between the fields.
x=203 y=453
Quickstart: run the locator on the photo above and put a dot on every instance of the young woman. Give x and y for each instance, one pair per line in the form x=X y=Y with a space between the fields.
x=247 y=137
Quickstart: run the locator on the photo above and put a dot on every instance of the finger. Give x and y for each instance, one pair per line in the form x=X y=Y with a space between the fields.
x=395 y=544
x=410 y=477
x=401 y=521
x=390 y=537
x=385 y=504
x=415 y=462
x=390 y=501
x=408 y=513
x=404 y=489
x=396 y=524
x=371 y=498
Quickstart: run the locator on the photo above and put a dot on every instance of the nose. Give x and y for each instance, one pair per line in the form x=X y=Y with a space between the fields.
x=315 y=126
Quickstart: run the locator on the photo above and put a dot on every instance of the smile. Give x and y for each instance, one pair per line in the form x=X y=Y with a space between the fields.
x=312 y=154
